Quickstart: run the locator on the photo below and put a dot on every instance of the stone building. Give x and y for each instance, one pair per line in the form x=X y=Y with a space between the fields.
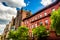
x=0 y=37
x=7 y=29
x=21 y=14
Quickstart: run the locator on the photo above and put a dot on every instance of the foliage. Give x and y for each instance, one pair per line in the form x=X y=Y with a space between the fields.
x=55 y=20
x=40 y=31
x=20 y=34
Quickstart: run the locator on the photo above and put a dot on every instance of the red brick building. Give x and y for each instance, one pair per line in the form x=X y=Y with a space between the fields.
x=42 y=17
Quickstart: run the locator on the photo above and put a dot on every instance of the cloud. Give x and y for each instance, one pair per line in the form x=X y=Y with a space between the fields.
x=28 y=3
x=47 y=2
x=14 y=3
x=2 y=21
x=2 y=28
x=6 y=14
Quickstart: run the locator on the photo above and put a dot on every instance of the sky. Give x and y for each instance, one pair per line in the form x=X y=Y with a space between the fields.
x=8 y=8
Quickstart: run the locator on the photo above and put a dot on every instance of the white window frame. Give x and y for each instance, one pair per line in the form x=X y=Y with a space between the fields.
x=45 y=14
x=40 y=16
x=46 y=21
x=36 y=25
x=53 y=9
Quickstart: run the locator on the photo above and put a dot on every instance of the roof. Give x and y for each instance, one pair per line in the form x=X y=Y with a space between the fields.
x=54 y=3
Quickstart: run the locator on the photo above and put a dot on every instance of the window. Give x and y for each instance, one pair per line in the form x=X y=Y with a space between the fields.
x=32 y=19
x=46 y=22
x=40 y=16
x=53 y=9
x=59 y=5
x=13 y=28
x=26 y=22
x=35 y=18
x=32 y=35
x=36 y=25
x=45 y=14
x=41 y=23
x=32 y=26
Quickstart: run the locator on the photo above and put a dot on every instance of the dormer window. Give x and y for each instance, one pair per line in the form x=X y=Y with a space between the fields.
x=45 y=14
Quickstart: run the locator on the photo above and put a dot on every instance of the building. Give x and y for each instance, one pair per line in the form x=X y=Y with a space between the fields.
x=7 y=29
x=0 y=37
x=42 y=17
x=21 y=14
x=15 y=22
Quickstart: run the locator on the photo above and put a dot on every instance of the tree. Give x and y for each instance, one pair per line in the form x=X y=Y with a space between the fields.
x=23 y=31
x=55 y=20
x=12 y=35
x=40 y=32
x=20 y=34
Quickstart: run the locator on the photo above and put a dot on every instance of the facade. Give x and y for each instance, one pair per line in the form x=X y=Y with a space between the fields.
x=41 y=17
x=0 y=37
x=8 y=27
x=21 y=14
x=15 y=22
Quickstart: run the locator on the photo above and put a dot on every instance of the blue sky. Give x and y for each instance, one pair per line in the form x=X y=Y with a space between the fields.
x=8 y=9
x=34 y=5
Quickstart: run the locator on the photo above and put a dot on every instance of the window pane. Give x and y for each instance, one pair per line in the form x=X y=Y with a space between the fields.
x=36 y=25
x=53 y=9
x=40 y=16
x=41 y=23
x=45 y=14
x=46 y=22
x=35 y=18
